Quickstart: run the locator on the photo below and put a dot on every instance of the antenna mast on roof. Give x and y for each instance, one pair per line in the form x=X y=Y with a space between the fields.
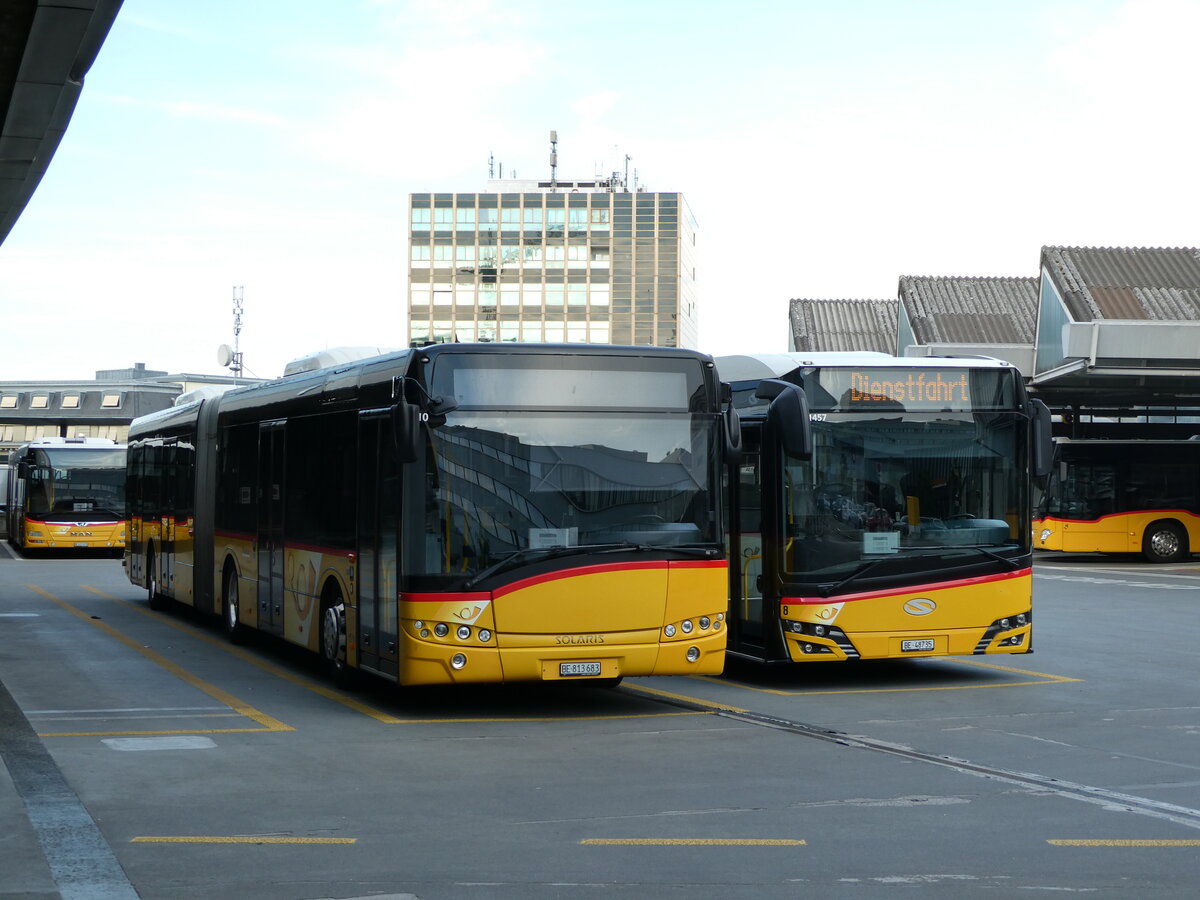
x=235 y=362
x=554 y=160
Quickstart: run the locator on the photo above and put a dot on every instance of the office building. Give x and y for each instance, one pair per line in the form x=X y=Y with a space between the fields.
x=576 y=261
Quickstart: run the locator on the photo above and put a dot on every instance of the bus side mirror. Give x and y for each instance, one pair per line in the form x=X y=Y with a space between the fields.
x=406 y=431
x=788 y=414
x=1042 y=452
x=732 y=427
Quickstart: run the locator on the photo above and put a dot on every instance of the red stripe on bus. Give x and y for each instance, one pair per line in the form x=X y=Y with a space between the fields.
x=74 y=521
x=915 y=589
x=450 y=596
x=1131 y=512
x=601 y=568
x=444 y=597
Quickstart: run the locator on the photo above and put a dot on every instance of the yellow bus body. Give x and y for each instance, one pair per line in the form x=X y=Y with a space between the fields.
x=531 y=626
x=1117 y=533
x=106 y=535
x=876 y=625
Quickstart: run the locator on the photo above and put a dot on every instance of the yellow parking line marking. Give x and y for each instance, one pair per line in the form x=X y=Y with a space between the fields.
x=215 y=839
x=358 y=706
x=267 y=722
x=655 y=692
x=1043 y=678
x=1093 y=843
x=278 y=672
x=983 y=665
x=691 y=842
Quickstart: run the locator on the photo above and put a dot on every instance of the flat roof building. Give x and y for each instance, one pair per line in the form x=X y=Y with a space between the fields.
x=580 y=261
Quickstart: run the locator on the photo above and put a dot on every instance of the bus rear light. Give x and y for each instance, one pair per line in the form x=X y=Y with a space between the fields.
x=458 y=661
x=693 y=654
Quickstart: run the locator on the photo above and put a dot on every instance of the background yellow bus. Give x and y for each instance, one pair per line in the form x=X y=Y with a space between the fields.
x=882 y=507
x=1122 y=496
x=456 y=513
x=66 y=493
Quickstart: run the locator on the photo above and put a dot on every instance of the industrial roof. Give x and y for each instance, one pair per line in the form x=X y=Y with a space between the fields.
x=1150 y=283
x=952 y=310
x=46 y=47
x=826 y=325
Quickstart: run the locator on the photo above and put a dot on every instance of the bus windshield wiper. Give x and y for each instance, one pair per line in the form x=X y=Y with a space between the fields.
x=1011 y=563
x=828 y=590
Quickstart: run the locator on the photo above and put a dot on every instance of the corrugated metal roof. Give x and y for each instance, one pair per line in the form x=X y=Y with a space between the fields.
x=829 y=325
x=952 y=310
x=1150 y=283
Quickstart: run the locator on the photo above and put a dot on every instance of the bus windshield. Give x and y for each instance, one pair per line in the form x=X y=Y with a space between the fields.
x=502 y=483
x=77 y=484
x=901 y=487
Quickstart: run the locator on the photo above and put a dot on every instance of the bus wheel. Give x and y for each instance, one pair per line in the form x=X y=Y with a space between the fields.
x=1164 y=542
x=234 y=630
x=333 y=638
x=156 y=600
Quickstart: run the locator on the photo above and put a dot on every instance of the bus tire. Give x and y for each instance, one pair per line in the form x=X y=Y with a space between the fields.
x=333 y=637
x=155 y=600
x=1164 y=542
x=233 y=628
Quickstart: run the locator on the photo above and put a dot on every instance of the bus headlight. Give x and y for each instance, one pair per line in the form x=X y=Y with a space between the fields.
x=458 y=661
x=484 y=635
x=669 y=631
x=464 y=632
x=441 y=629
x=687 y=626
x=1046 y=532
x=693 y=654
x=704 y=623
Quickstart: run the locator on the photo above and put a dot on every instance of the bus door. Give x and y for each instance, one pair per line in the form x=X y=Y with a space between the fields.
x=167 y=463
x=270 y=525
x=746 y=633
x=378 y=540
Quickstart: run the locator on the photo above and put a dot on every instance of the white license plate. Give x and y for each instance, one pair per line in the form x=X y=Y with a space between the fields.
x=578 y=668
x=917 y=645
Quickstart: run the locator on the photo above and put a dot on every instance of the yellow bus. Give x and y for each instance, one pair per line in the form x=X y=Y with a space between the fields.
x=66 y=493
x=1122 y=496
x=882 y=507
x=454 y=513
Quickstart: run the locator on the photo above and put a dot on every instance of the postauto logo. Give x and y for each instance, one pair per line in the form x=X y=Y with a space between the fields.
x=919 y=606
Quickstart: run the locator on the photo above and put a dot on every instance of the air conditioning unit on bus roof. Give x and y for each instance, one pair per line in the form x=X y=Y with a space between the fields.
x=334 y=356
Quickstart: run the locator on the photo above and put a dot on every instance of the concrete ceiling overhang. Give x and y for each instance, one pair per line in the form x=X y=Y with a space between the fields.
x=46 y=48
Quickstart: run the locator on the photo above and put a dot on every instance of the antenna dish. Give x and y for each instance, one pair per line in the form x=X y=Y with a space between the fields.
x=224 y=355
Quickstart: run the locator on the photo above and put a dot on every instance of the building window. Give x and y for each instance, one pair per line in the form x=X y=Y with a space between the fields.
x=420 y=220
x=39 y=401
x=110 y=401
x=9 y=401
x=443 y=217
x=70 y=401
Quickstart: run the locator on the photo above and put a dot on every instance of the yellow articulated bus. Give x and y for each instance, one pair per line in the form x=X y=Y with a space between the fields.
x=67 y=494
x=881 y=508
x=1122 y=496
x=455 y=513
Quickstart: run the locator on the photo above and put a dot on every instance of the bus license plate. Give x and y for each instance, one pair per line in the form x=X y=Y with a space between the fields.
x=917 y=645
x=578 y=668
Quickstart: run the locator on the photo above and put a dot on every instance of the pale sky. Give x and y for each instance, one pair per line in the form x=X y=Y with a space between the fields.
x=825 y=148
